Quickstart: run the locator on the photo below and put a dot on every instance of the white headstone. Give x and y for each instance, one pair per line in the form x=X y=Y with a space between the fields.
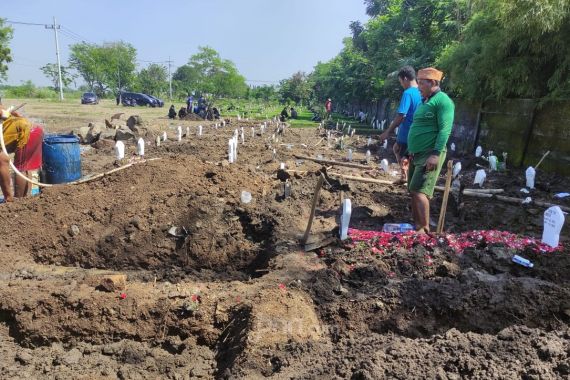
x=252 y=131
x=530 y=173
x=282 y=166
x=493 y=162
x=452 y=146
x=187 y=132
x=140 y=146
x=349 y=155
x=179 y=133
x=164 y=137
x=385 y=145
x=157 y=140
x=368 y=156
x=553 y=222
x=456 y=169
x=480 y=176
x=199 y=130
x=478 y=151
x=231 y=151
x=368 y=141
x=119 y=150
x=345 y=218
x=384 y=165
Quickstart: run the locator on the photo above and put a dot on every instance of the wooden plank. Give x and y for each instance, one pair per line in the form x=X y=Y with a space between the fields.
x=362 y=179
x=337 y=163
x=313 y=208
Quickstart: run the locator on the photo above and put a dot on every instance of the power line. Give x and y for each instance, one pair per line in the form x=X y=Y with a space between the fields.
x=24 y=23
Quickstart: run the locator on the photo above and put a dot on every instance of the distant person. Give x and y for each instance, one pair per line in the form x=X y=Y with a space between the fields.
x=216 y=113
x=328 y=107
x=361 y=116
x=284 y=115
x=118 y=98
x=182 y=113
x=25 y=141
x=172 y=112
x=189 y=102
x=294 y=114
x=409 y=102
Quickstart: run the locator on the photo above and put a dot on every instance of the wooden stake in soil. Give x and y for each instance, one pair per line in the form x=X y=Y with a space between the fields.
x=445 y=198
x=313 y=208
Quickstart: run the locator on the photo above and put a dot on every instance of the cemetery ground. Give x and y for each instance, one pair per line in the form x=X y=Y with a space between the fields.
x=96 y=284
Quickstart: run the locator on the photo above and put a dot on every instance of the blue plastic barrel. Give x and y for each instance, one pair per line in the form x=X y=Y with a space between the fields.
x=61 y=158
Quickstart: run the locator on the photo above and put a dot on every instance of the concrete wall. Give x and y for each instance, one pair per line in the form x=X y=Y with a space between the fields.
x=521 y=127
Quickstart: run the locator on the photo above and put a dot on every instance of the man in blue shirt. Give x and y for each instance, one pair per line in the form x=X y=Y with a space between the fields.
x=411 y=99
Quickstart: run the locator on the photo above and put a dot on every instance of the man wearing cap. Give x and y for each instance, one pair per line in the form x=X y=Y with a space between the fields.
x=427 y=142
x=25 y=141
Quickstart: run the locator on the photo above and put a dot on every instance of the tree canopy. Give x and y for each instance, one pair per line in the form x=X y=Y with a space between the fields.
x=109 y=67
x=486 y=48
x=207 y=73
x=5 y=52
x=153 y=80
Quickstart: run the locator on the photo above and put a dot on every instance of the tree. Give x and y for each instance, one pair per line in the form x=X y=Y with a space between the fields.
x=512 y=48
x=206 y=72
x=51 y=72
x=296 y=88
x=5 y=53
x=265 y=93
x=153 y=80
x=107 y=67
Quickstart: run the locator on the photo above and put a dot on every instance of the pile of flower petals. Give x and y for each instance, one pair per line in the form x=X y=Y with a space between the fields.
x=385 y=241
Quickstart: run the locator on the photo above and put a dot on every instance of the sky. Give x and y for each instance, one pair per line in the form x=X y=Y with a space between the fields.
x=268 y=40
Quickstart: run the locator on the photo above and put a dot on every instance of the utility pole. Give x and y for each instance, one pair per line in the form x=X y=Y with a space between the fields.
x=55 y=27
x=169 y=80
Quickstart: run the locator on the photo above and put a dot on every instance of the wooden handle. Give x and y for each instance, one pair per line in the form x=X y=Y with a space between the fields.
x=313 y=208
x=445 y=198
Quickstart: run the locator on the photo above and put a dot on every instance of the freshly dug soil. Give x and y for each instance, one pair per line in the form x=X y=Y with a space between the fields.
x=229 y=292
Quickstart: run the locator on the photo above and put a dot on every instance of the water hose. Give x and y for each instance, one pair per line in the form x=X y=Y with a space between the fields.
x=84 y=180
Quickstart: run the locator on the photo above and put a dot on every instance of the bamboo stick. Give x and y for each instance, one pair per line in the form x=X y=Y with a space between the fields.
x=337 y=163
x=362 y=179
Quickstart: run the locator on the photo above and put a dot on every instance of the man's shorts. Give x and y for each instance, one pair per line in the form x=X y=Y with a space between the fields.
x=420 y=181
x=29 y=157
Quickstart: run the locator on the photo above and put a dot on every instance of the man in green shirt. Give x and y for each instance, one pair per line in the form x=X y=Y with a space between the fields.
x=427 y=143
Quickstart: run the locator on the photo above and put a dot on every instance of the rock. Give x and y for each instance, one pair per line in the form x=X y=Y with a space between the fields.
x=83 y=135
x=108 y=349
x=107 y=282
x=23 y=357
x=95 y=130
x=447 y=269
x=224 y=163
x=134 y=121
x=71 y=357
x=341 y=267
x=73 y=230
x=103 y=144
x=124 y=134
x=108 y=134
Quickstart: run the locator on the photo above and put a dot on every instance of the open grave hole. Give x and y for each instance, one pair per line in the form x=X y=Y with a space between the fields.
x=123 y=223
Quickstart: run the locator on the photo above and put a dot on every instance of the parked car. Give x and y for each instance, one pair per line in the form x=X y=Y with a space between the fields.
x=159 y=102
x=89 y=98
x=137 y=99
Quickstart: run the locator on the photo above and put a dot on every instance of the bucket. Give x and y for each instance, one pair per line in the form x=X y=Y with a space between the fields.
x=61 y=158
